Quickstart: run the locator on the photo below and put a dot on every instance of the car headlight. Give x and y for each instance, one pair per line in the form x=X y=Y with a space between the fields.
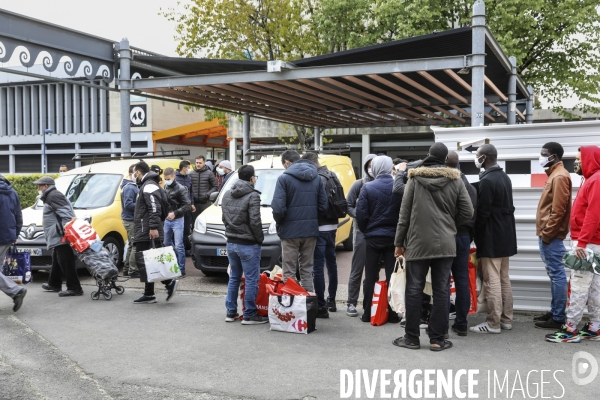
x=272 y=228
x=200 y=224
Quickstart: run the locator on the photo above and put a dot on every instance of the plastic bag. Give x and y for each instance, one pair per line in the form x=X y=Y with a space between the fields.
x=379 y=304
x=80 y=234
x=397 y=288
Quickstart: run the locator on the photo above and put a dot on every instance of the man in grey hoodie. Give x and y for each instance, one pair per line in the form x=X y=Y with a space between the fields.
x=359 y=244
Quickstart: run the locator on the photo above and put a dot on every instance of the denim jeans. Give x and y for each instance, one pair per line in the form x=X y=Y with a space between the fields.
x=174 y=237
x=325 y=253
x=243 y=259
x=416 y=272
x=552 y=255
x=460 y=273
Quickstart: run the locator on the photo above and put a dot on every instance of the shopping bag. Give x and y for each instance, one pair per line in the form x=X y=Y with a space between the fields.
x=397 y=288
x=428 y=289
x=262 y=296
x=290 y=287
x=379 y=304
x=276 y=274
x=80 y=234
x=452 y=290
x=473 y=281
x=293 y=314
x=98 y=263
x=17 y=266
x=157 y=264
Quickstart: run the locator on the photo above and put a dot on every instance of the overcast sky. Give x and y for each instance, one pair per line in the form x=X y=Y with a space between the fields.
x=137 y=20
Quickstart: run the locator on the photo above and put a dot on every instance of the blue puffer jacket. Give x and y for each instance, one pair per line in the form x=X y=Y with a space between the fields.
x=129 y=192
x=10 y=213
x=298 y=200
x=378 y=209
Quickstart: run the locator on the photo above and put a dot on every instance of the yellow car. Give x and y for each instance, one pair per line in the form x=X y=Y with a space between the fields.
x=209 y=245
x=95 y=194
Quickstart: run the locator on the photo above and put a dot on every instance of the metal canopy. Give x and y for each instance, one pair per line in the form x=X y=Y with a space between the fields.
x=389 y=84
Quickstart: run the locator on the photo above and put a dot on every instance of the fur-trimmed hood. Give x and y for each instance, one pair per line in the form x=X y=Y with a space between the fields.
x=434 y=178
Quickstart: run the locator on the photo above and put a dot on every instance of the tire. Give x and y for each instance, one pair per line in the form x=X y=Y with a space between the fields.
x=95 y=295
x=115 y=249
x=119 y=289
x=108 y=295
x=349 y=243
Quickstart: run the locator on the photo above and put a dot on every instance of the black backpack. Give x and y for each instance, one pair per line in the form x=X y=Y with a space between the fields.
x=338 y=206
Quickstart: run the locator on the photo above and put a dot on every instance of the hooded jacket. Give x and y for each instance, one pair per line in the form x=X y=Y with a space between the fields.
x=57 y=213
x=129 y=192
x=186 y=181
x=468 y=228
x=585 y=217
x=241 y=214
x=495 y=231
x=352 y=196
x=150 y=209
x=378 y=207
x=178 y=199
x=203 y=184
x=554 y=208
x=10 y=213
x=298 y=200
x=435 y=202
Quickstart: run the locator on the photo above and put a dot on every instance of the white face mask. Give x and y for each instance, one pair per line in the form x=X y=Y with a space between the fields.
x=40 y=192
x=168 y=182
x=220 y=171
x=477 y=163
x=544 y=160
x=370 y=172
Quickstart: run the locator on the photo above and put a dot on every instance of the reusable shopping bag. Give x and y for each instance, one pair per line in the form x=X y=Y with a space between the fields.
x=262 y=296
x=17 y=266
x=379 y=304
x=80 y=234
x=397 y=289
x=157 y=264
x=293 y=314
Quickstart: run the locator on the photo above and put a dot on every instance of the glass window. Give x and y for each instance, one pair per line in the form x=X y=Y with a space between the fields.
x=62 y=184
x=93 y=190
x=266 y=182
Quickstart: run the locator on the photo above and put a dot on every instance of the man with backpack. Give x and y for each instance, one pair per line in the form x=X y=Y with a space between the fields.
x=325 y=248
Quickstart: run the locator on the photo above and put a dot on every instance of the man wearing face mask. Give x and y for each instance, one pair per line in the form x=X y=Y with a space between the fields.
x=224 y=169
x=179 y=205
x=496 y=240
x=203 y=184
x=129 y=192
x=62 y=169
x=552 y=227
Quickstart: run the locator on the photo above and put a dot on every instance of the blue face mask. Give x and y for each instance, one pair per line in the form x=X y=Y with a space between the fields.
x=168 y=182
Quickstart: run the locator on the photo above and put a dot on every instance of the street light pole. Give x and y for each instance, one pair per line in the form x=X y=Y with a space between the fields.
x=44 y=162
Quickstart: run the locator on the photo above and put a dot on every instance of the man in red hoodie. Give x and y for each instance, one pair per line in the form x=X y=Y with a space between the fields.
x=585 y=233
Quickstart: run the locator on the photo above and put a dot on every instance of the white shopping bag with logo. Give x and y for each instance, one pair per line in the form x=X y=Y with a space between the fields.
x=157 y=264
x=294 y=314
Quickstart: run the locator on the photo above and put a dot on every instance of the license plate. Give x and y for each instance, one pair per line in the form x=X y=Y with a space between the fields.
x=33 y=252
x=221 y=252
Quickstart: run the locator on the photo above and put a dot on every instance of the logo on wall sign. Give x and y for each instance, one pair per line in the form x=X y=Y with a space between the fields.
x=137 y=115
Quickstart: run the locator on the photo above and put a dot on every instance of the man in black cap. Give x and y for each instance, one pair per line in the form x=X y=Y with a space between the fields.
x=57 y=213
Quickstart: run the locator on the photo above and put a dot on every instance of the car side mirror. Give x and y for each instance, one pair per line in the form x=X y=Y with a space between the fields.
x=213 y=197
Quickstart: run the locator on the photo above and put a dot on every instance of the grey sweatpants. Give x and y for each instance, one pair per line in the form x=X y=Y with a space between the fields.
x=357 y=267
x=299 y=253
x=7 y=285
x=585 y=288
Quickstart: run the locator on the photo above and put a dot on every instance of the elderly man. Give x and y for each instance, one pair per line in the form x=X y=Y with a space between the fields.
x=224 y=169
x=57 y=213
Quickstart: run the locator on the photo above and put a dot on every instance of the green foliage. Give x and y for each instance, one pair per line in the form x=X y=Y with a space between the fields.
x=23 y=185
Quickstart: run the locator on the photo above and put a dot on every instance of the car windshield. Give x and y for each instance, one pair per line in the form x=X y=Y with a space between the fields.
x=93 y=190
x=62 y=184
x=265 y=184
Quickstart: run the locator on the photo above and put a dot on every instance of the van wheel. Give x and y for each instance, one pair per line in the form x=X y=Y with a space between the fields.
x=348 y=243
x=115 y=250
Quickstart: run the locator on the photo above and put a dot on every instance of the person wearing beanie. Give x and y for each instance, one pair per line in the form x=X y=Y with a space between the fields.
x=225 y=170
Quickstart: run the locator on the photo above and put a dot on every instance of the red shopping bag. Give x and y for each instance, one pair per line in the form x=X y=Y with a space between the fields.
x=473 y=281
x=80 y=234
x=262 y=296
x=379 y=304
x=290 y=287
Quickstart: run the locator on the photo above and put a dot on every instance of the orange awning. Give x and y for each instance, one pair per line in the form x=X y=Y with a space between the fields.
x=196 y=134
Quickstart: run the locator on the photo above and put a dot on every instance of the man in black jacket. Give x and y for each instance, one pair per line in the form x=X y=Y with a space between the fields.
x=182 y=177
x=243 y=229
x=460 y=265
x=203 y=184
x=179 y=205
x=149 y=219
x=496 y=239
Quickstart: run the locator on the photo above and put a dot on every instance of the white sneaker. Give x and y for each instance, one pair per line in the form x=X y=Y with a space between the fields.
x=506 y=327
x=484 y=327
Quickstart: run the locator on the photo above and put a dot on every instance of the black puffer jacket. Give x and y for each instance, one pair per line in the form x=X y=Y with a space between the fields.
x=241 y=214
x=178 y=198
x=203 y=184
x=150 y=209
x=469 y=227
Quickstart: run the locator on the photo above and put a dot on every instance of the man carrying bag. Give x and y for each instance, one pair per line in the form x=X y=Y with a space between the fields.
x=149 y=216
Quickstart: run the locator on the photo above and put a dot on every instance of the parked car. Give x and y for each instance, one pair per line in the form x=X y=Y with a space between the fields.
x=209 y=244
x=95 y=194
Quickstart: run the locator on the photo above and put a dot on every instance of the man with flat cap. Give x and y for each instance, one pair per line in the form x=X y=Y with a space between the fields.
x=57 y=213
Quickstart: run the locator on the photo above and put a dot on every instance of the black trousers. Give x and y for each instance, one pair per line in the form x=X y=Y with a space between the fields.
x=377 y=248
x=187 y=228
x=149 y=286
x=416 y=272
x=63 y=266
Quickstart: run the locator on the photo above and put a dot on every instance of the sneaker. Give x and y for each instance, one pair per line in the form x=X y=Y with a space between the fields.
x=49 y=288
x=365 y=318
x=393 y=318
x=563 y=335
x=125 y=273
x=460 y=330
x=484 y=327
x=506 y=327
x=542 y=317
x=587 y=334
x=171 y=289
x=183 y=275
x=70 y=293
x=452 y=315
x=18 y=299
x=322 y=312
x=134 y=275
x=145 y=300
x=351 y=311
x=423 y=324
x=232 y=317
x=331 y=305
x=255 y=320
x=550 y=323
